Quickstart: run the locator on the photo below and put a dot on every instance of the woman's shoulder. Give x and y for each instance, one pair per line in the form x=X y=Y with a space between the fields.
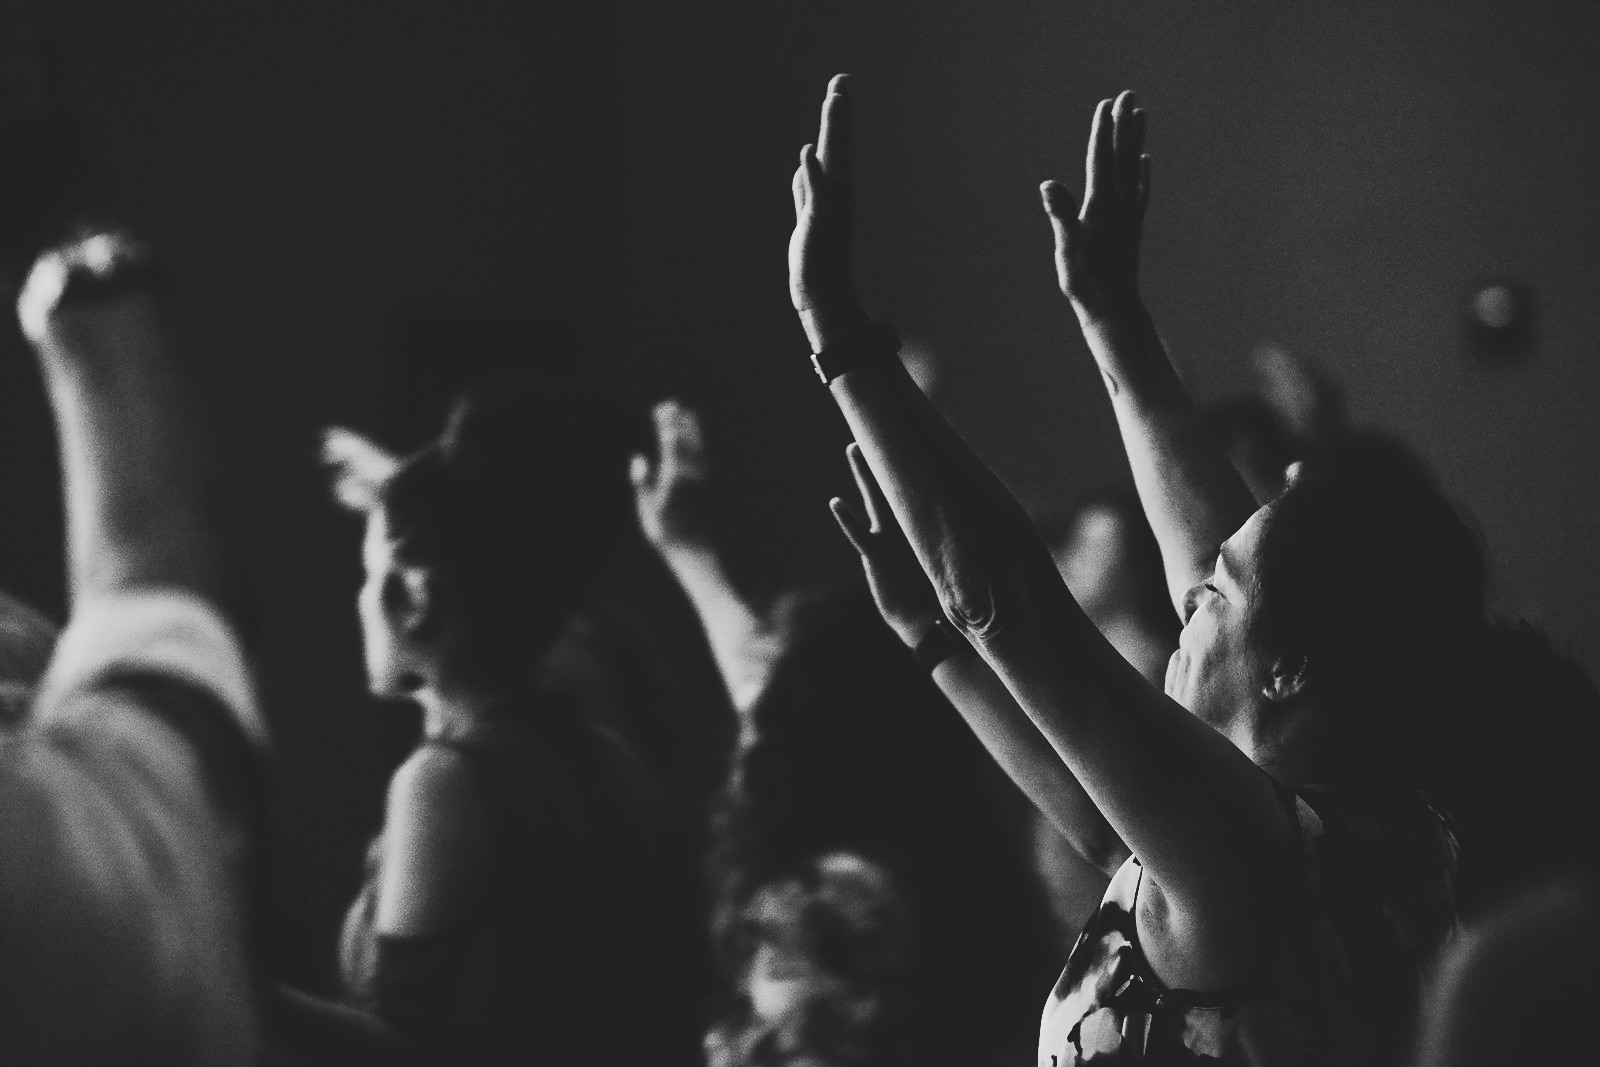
x=435 y=795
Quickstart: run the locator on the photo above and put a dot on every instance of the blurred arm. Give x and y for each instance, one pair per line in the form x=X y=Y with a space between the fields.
x=672 y=500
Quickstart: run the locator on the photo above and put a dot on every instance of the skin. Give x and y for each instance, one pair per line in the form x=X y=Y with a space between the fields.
x=438 y=839
x=1183 y=791
x=671 y=500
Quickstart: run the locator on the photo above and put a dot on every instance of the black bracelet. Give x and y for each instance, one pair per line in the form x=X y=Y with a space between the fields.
x=872 y=341
x=938 y=644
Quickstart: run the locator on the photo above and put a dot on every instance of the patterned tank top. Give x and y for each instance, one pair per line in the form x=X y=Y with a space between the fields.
x=1338 y=983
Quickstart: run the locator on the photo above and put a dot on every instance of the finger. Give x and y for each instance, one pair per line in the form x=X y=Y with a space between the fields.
x=687 y=444
x=853 y=526
x=1059 y=200
x=1125 y=144
x=664 y=414
x=1099 y=165
x=878 y=514
x=799 y=189
x=833 y=139
x=805 y=178
x=815 y=176
x=1062 y=209
x=639 y=472
x=1144 y=181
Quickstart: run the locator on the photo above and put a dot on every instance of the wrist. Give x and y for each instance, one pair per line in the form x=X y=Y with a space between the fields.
x=938 y=641
x=828 y=324
x=1110 y=315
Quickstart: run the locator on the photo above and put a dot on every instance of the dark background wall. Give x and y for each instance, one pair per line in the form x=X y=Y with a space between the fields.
x=339 y=185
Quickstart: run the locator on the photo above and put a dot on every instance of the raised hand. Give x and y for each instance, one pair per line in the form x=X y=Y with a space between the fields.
x=1097 y=242
x=672 y=495
x=901 y=590
x=821 y=282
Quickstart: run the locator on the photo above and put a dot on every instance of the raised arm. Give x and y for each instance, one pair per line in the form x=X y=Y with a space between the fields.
x=1191 y=495
x=133 y=789
x=1205 y=822
x=139 y=509
x=671 y=497
x=909 y=607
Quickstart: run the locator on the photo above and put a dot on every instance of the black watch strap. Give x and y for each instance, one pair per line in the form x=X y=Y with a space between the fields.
x=872 y=341
x=938 y=644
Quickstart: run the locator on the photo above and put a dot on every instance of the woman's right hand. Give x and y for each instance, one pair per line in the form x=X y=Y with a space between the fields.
x=902 y=592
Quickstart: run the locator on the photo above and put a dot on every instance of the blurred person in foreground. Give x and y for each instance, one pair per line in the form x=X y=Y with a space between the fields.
x=130 y=794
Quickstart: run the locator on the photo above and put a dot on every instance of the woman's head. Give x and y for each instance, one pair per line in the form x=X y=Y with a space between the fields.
x=1369 y=592
x=1359 y=590
x=481 y=544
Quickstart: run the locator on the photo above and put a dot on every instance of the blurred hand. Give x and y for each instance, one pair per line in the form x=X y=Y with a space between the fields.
x=672 y=496
x=820 y=277
x=904 y=596
x=1097 y=244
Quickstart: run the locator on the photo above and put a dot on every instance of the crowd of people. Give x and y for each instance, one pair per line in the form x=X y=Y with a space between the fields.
x=1236 y=750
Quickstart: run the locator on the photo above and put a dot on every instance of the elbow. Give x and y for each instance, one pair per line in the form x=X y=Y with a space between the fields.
x=970 y=603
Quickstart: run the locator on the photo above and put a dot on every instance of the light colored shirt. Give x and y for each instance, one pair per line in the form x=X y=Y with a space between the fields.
x=123 y=868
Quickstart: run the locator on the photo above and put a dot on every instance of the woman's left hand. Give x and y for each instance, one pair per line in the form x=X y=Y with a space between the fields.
x=821 y=282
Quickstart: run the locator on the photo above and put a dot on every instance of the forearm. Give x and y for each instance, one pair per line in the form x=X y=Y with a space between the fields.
x=1028 y=758
x=966 y=529
x=745 y=644
x=1192 y=496
x=137 y=506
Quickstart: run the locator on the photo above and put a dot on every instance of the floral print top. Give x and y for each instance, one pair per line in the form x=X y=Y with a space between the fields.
x=1338 y=984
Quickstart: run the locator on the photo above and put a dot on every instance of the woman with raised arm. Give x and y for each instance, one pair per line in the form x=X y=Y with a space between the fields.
x=1283 y=881
x=525 y=853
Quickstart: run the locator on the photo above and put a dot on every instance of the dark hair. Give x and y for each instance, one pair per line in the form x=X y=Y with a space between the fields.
x=1368 y=575
x=519 y=503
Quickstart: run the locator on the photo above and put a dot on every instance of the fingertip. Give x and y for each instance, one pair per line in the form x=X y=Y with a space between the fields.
x=838 y=83
x=638 y=468
x=1057 y=199
x=841 y=515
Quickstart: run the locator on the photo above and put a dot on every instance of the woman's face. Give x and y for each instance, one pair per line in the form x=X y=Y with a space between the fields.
x=1217 y=671
x=380 y=634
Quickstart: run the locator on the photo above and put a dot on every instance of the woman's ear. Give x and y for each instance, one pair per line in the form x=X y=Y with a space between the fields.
x=1289 y=678
x=410 y=600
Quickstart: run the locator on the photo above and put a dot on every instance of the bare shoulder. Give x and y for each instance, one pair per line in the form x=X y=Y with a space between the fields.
x=434 y=776
x=438 y=843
